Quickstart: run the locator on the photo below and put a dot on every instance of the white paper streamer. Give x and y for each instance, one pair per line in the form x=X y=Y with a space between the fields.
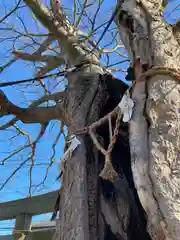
x=126 y=105
x=74 y=142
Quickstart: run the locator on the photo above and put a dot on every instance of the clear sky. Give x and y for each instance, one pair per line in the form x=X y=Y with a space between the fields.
x=18 y=185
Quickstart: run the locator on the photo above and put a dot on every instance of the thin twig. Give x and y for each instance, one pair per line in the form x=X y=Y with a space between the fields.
x=13 y=173
x=12 y=11
x=32 y=157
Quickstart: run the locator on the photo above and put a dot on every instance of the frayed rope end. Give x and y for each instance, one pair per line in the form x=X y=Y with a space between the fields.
x=108 y=172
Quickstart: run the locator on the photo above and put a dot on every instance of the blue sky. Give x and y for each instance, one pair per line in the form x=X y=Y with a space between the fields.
x=18 y=185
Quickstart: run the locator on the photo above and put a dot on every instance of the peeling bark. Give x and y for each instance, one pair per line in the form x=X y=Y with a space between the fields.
x=154 y=127
x=164 y=161
x=140 y=163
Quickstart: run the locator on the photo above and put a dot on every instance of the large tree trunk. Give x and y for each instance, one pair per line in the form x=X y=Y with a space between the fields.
x=90 y=207
x=75 y=209
x=143 y=200
x=154 y=127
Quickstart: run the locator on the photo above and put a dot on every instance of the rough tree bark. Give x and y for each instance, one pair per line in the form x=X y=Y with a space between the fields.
x=91 y=207
x=154 y=127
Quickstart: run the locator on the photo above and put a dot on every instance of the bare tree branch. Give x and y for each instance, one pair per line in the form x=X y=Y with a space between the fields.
x=12 y=11
x=33 y=114
x=37 y=78
x=52 y=157
x=38 y=58
x=51 y=65
x=9 y=63
x=69 y=42
x=40 y=135
x=13 y=173
x=44 y=45
x=54 y=96
x=52 y=62
x=59 y=14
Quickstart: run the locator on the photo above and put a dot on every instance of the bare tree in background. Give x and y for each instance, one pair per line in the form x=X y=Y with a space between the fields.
x=102 y=201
